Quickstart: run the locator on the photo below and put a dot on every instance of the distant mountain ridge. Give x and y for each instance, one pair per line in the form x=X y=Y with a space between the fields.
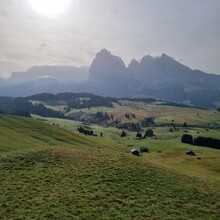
x=59 y=73
x=157 y=77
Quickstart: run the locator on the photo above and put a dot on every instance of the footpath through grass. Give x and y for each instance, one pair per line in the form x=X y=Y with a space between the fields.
x=99 y=183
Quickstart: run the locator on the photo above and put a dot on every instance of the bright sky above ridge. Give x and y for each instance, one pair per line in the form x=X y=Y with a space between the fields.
x=187 y=30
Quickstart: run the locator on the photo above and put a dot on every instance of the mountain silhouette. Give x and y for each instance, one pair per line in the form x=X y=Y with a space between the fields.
x=159 y=77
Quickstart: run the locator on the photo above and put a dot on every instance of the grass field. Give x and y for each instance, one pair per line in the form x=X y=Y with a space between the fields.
x=99 y=183
x=172 y=151
x=18 y=133
x=53 y=172
x=163 y=114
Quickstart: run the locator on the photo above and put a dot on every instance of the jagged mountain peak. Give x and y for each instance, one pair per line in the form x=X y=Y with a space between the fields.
x=105 y=65
x=146 y=59
x=103 y=53
x=162 y=77
x=168 y=59
x=133 y=63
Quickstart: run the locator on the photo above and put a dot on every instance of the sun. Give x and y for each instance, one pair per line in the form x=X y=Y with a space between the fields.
x=49 y=7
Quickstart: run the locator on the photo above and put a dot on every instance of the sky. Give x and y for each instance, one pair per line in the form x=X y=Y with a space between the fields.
x=187 y=30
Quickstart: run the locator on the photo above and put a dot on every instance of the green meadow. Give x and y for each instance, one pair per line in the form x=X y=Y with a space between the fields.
x=54 y=172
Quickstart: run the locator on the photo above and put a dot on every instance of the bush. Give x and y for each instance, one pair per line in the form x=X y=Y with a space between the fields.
x=22 y=113
x=207 y=142
x=149 y=133
x=187 y=139
x=138 y=135
x=123 y=134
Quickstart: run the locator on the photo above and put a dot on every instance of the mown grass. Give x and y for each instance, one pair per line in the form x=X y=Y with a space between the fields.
x=99 y=183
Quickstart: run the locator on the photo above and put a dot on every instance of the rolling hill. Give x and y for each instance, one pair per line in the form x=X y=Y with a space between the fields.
x=51 y=171
x=21 y=133
x=58 y=174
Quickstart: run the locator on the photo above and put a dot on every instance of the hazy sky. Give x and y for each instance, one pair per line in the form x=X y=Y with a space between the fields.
x=188 y=30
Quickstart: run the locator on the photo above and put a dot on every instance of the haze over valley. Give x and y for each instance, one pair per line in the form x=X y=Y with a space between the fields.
x=159 y=77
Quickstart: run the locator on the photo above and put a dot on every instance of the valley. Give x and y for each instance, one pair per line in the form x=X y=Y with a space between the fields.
x=54 y=172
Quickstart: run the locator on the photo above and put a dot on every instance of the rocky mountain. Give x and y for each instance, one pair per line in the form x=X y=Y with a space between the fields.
x=157 y=77
x=165 y=78
x=108 y=76
x=59 y=73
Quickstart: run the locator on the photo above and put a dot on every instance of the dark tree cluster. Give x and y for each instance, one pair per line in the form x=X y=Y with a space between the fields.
x=207 y=142
x=181 y=105
x=40 y=109
x=145 y=100
x=149 y=133
x=201 y=141
x=22 y=113
x=43 y=97
x=103 y=116
x=187 y=139
x=123 y=134
x=98 y=101
x=130 y=115
x=2 y=112
x=22 y=107
x=76 y=100
x=185 y=125
x=130 y=126
x=147 y=121
x=138 y=136
x=85 y=131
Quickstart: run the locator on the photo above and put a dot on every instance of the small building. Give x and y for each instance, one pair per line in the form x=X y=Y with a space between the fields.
x=144 y=150
x=135 y=152
x=190 y=152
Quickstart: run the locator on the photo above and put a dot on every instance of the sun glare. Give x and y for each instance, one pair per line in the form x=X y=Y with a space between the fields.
x=49 y=7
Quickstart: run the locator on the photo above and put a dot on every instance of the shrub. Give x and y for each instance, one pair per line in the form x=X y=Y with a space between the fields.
x=187 y=139
x=149 y=133
x=207 y=142
x=123 y=134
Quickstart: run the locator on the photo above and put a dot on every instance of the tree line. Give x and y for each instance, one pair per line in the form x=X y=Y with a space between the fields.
x=201 y=141
x=22 y=107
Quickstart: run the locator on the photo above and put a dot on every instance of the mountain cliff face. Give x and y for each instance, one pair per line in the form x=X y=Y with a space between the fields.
x=164 y=69
x=107 y=67
x=158 y=77
x=108 y=75
x=163 y=77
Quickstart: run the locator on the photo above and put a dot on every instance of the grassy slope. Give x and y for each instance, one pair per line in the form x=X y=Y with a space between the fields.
x=172 y=154
x=97 y=178
x=163 y=114
x=17 y=133
x=99 y=183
